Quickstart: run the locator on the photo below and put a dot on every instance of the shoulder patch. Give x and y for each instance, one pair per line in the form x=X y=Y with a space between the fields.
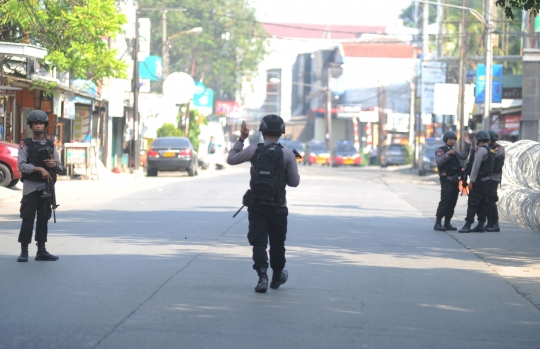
x=21 y=144
x=440 y=152
x=492 y=150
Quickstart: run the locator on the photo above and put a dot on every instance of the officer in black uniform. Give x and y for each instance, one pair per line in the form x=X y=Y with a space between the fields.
x=478 y=184
x=36 y=170
x=494 y=183
x=272 y=166
x=450 y=171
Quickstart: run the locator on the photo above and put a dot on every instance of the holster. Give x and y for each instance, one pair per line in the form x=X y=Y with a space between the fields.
x=248 y=200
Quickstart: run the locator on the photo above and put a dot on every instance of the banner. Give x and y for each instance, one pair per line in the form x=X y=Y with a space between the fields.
x=432 y=73
x=496 y=83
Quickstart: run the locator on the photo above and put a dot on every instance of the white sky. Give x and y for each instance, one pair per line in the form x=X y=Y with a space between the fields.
x=359 y=12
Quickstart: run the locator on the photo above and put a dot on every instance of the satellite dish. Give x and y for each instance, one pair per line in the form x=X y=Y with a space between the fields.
x=179 y=87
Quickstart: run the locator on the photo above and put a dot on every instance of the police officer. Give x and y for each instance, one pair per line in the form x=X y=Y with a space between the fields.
x=478 y=184
x=35 y=171
x=448 y=163
x=267 y=218
x=494 y=182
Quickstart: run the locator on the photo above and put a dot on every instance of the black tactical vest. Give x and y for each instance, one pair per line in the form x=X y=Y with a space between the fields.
x=499 y=162
x=486 y=167
x=268 y=174
x=35 y=159
x=452 y=166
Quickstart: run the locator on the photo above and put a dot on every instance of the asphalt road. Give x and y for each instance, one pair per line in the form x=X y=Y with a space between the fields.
x=159 y=262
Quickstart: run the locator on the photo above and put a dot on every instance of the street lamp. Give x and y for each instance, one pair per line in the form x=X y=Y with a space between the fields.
x=166 y=44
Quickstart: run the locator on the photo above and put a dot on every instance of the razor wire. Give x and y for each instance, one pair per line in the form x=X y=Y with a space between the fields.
x=520 y=187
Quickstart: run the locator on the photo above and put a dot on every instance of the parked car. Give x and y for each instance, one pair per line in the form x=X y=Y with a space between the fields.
x=172 y=154
x=346 y=154
x=394 y=154
x=9 y=166
x=318 y=153
x=427 y=160
x=296 y=145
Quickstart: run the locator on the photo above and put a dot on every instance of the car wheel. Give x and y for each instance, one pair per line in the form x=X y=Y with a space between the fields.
x=197 y=169
x=151 y=172
x=5 y=176
x=191 y=171
x=13 y=183
x=219 y=166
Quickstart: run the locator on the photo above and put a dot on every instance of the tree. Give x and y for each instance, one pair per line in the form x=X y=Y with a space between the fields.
x=232 y=41
x=73 y=31
x=509 y=6
x=195 y=119
x=169 y=130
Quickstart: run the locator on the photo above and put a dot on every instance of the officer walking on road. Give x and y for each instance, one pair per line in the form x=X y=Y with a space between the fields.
x=272 y=169
x=36 y=171
x=482 y=168
x=494 y=182
x=450 y=172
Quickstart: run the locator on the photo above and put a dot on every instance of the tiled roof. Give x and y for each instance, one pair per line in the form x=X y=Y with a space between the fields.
x=318 y=31
x=388 y=50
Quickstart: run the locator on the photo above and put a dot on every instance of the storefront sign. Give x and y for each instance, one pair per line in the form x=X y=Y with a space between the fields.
x=432 y=73
x=496 y=83
x=81 y=126
x=75 y=156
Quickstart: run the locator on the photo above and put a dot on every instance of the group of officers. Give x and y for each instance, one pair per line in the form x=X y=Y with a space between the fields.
x=484 y=172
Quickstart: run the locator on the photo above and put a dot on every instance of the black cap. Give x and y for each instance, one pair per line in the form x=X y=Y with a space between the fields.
x=449 y=135
x=272 y=123
x=482 y=136
x=37 y=116
x=493 y=135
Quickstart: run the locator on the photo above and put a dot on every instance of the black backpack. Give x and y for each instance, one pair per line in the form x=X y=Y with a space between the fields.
x=268 y=174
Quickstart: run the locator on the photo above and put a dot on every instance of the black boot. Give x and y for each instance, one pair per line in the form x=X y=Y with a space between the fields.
x=438 y=226
x=279 y=279
x=262 y=285
x=494 y=228
x=42 y=254
x=480 y=228
x=466 y=228
x=24 y=253
x=449 y=226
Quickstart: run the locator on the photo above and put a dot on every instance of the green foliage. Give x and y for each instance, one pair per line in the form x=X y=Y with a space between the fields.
x=408 y=17
x=73 y=32
x=508 y=6
x=169 y=130
x=232 y=41
x=195 y=119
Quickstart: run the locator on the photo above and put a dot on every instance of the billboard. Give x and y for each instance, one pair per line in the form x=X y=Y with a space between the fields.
x=432 y=73
x=496 y=83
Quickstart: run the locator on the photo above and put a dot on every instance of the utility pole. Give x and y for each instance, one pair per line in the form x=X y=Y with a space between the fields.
x=486 y=120
x=425 y=37
x=462 y=71
x=164 y=45
x=136 y=119
x=439 y=28
x=328 y=114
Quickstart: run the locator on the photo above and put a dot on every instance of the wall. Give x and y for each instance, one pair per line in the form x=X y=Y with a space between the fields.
x=530 y=113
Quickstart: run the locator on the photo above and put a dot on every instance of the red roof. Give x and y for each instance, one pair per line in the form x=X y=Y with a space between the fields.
x=389 y=50
x=318 y=31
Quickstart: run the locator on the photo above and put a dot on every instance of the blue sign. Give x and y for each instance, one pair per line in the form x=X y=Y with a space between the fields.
x=206 y=99
x=496 y=83
x=151 y=68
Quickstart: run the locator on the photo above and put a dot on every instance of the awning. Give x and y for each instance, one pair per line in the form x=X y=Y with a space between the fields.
x=8 y=91
x=22 y=50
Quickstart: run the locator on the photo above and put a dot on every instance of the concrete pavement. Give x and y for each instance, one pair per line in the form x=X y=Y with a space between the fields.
x=152 y=262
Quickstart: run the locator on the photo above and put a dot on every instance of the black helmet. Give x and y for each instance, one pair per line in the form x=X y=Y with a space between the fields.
x=37 y=116
x=494 y=136
x=272 y=123
x=482 y=136
x=448 y=135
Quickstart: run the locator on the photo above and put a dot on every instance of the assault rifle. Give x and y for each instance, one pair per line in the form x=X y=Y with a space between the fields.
x=49 y=193
x=468 y=167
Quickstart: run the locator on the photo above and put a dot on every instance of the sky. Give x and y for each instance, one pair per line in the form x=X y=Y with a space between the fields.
x=359 y=12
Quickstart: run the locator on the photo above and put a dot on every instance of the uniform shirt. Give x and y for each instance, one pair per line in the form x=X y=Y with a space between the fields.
x=239 y=155
x=30 y=186
x=499 y=152
x=443 y=157
x=481 y=155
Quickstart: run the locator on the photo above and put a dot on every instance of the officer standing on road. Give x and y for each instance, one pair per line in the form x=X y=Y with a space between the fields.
x=494 y=182
x=36 y=170
x=272 y=169
x=482 y=168
x=448 y=163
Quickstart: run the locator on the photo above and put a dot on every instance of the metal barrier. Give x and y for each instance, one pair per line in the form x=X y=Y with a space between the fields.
x=519 y=201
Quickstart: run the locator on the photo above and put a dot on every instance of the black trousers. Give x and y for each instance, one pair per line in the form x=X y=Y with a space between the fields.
x=492 y=199
x=30 y=205
x=268 y=222
x=477 y=203
x=449 y=196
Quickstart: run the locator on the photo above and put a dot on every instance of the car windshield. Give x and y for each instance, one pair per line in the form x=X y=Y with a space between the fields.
x=395 y=148
x=171 y=142
x=294 y=145
x=319 y=149
x=430 y=148
x=345 y=148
